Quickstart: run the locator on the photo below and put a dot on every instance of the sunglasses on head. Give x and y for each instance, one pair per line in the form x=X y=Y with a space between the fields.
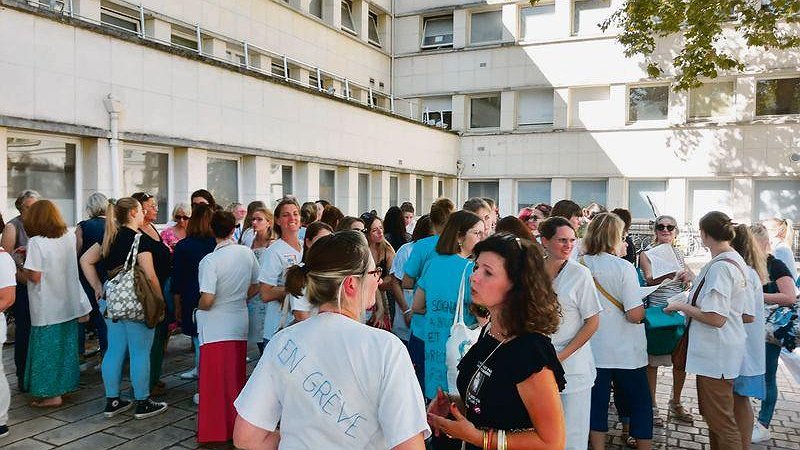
x=662 y=227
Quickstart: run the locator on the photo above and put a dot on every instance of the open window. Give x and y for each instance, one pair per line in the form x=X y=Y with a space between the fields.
x=437 y=32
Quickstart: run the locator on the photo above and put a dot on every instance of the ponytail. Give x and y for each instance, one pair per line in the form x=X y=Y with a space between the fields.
x=117 y=215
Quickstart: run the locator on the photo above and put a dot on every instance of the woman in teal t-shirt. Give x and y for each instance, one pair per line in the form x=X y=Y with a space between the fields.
x=437 y=292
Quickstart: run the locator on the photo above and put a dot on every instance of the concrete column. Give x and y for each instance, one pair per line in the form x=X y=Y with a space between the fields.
x=89 y=9
x=406 y=190
x=510 y=22
x=347 y=190
x=260 y=61
x=460 y=112
x=214 y=47
x=560 y=107
x=385 y=32
x=4 y=205
x=361 y=19
x=332 y=13
x=745 y=104
x=189 y=172
x=256 y=178
x=460 y=28
x=559 y=189
x=563 y=18
x=616 y=111
x=678 y=111
x=307 y=181
x=743 y=206
x=96 y=163
x=506 y=196
x=508 y=110
x=676 y=204
x=450 y=188
x=158 y=29
x=429 y=185
x=616 y=194
x=380 y=191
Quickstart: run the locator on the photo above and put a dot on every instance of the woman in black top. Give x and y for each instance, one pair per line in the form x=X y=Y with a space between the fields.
x=395 y=228
x=125 y=337
x=509 y=381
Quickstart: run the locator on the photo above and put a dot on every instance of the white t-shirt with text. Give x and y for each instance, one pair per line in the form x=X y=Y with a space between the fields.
x=275 y=260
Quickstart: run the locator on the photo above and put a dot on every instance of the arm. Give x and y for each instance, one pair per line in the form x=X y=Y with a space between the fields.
x=416 y=442
x=250 y=437
x=583 y=335
x=785 y=295
x=709 y=318
x=252 y=290
x=88 y=262
x=408 y=282
x=635 y=315
x=145 y=260
x=387 y=277
x=33 y=276
x=270 y=293
x=747 y=318
x=400 y=298
x=206 y=301
x=78 y=239
x=7 y=297
x=9 y=237
x=419 y=301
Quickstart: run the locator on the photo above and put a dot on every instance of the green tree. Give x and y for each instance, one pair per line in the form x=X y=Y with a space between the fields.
x=766 y=24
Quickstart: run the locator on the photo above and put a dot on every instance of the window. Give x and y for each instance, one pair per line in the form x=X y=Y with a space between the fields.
x=235 y=57
x=484 y=112
x=327 y=185
x=315 y=8
x=45 y=165
x=641 y=193
x=776 y=97
x=589 y=106
x=394 y=191
x=363 y=192
x=648 y=103
x=778 y=198
x=588 y=14
x=538 y=22
x=347 y=17
x=223 y=180
x=484 y=189
x=486 y=27
x=440 y=189
x=119 y=17
x=711 y=100
x=282 y=176
x=437 y=32
x=588 y=191
x=278 y=69
x=147 y=171
x=535 y=107
x=531 y=193
x=374 y=37
x=183 y=40
x=438 y=111
x=418 y=194
x=705 y=196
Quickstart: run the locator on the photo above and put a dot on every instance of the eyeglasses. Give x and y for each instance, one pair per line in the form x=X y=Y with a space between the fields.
x=377 y=272
x=662 y=227
x=177 y=218
x=478 y=233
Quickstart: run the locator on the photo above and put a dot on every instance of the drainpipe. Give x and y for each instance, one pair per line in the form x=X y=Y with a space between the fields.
x=114 y=108
x=391 y=59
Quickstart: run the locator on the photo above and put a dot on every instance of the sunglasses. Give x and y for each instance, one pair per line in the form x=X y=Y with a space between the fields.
x=662 y=227
x=177 y=218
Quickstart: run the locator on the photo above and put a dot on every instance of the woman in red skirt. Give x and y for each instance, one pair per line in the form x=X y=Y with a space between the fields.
x=228 y=276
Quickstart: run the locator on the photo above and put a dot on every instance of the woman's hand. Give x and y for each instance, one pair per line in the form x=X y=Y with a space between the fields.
x=459 y=428
x=98 y=292
x=676 y=306
x=438 y=407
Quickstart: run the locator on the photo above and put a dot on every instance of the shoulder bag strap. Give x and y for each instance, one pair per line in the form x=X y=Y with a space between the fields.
x=130 y=261
x=458 y=317
x=703 y=282
x=603 y=291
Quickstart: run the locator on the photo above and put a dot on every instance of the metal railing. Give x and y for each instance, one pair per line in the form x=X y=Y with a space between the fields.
x=323 y=81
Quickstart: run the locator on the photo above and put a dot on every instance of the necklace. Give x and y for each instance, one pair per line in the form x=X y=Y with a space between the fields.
x=472 y=400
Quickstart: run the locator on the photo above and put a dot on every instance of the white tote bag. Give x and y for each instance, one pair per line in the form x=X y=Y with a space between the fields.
x=461 y=337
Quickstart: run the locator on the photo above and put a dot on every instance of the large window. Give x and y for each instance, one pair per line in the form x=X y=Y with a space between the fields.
x=708 y=195
x=223 y=180
x=531 y=193
x=711 y=100
x=282 y=176
x=147 y=171
x=484 y=112
x=484 y=189
x=374 y=35
x=648 y=103
x=363 y=192
x=438 y=111
x=778 y=198
x=394 y=191
x=486 y=27
x=45 y=165
x=437 y=32
x=119 y=17
x=327 y=185
x=589 y=106
x=315 y=8
x=588 y=191
x=535 y=107
x=777 y=97
x=588 y=14
x=347 y=17
x=641 y=193
x=538 y=22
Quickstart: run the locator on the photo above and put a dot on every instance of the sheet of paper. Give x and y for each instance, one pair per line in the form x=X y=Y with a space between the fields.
x=663 y=260
x=647 y=290
x=682 y=297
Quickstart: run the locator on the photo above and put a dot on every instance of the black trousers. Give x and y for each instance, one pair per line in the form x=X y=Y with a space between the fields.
x=22 y=318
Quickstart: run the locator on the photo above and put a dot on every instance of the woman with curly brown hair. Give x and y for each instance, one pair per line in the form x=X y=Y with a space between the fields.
x=510 y=379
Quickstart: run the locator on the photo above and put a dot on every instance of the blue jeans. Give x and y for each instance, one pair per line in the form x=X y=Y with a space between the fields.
x=125 y=337
x=636 y=391
x=768 y=404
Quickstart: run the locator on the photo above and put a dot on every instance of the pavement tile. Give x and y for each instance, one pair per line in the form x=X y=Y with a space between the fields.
x=32 y=427
x=158 y=439
x=97 y=441
x=26 y=444
x=135 y=428
x=81 y=428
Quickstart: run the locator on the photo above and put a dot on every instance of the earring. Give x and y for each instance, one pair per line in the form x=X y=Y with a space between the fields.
x=459 y=245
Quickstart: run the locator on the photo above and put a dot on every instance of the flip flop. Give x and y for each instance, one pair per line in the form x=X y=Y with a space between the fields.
x=46 y=404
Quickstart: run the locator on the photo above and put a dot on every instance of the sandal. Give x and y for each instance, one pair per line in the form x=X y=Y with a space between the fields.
x=658 y=421
x=679 y=413
x=47 y=403
x=630 y=441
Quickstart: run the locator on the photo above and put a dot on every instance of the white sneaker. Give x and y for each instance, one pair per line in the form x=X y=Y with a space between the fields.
x=190 y=375
x=760 y=433
x=196 y=398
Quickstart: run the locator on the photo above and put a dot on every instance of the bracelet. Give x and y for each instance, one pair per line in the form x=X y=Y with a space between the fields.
x=502 y=443
x=407 y=311
x=485 y=440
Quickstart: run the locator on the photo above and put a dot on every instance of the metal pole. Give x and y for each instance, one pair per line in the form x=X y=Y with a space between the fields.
x=246 y=55
x=199 y=39
x=141 y=21
x=346 y=89
x=319 y=79
x=285 y=68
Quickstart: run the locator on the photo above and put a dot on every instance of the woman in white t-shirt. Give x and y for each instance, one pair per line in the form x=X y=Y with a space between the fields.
x=580 y=319
x=227 y=276
x=619 y=346
x=331 y=381
x=283 y=253
x=8 y=286
x=716 y=331
x=57 y=302
x=260 y=221
x=781 y=236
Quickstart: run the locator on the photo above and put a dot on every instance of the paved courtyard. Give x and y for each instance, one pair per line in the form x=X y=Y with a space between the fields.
x=79 y=423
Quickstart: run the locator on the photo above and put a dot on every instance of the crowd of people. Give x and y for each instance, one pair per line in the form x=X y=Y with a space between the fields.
x=458 y=327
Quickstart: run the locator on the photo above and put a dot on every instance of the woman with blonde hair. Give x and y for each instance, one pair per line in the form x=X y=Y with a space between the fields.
x=781 y=234
x=383 y=254
x=57 y=302
x=173 y=234
x=260 y=237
